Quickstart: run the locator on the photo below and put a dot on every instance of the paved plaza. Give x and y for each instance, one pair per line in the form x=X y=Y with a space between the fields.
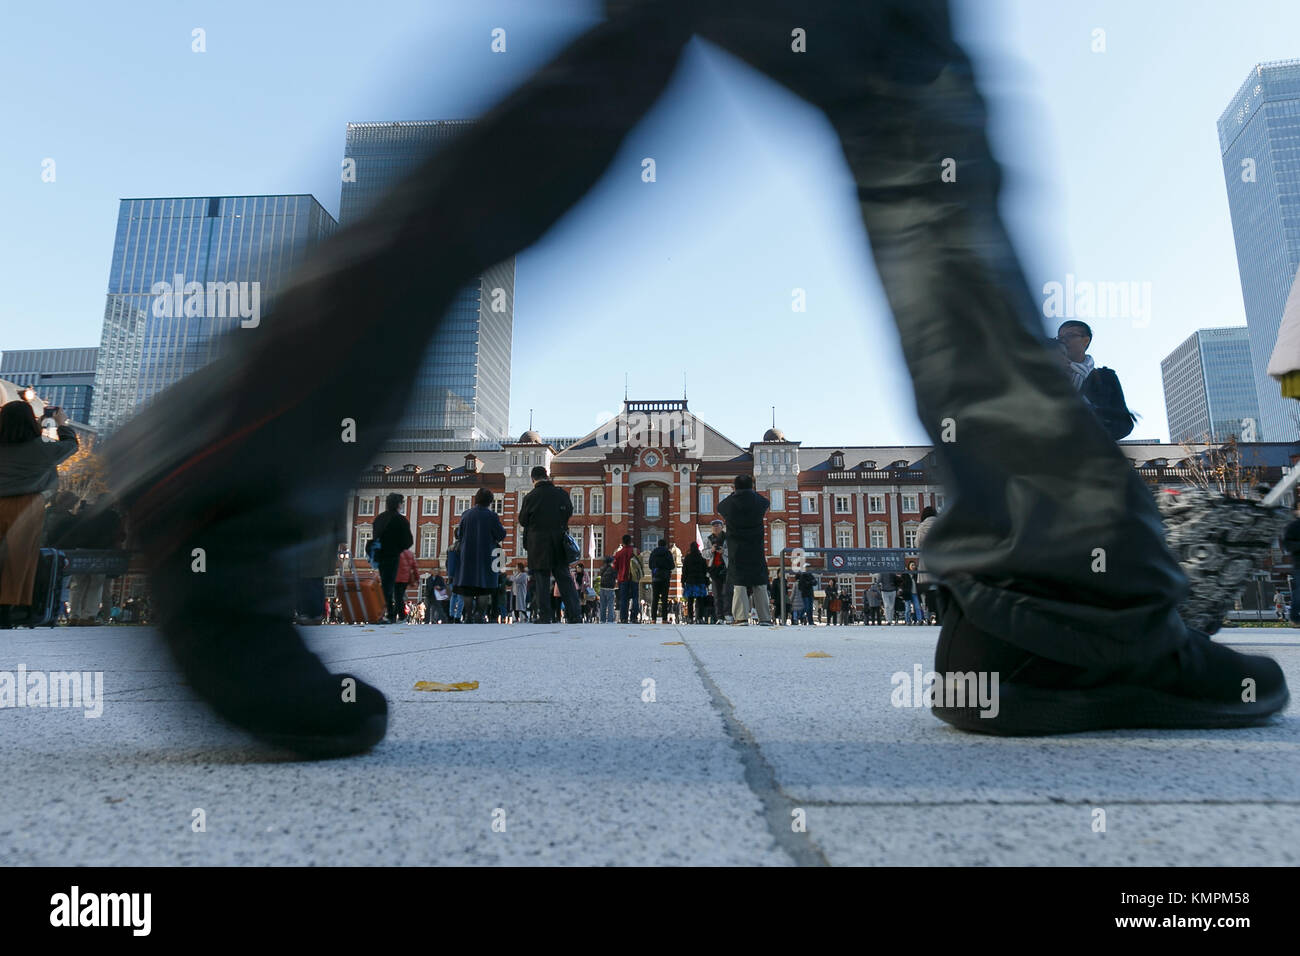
x=610 y=744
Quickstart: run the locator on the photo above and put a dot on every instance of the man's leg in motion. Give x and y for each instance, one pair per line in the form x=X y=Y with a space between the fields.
x=247 y=454
x=1037 y=491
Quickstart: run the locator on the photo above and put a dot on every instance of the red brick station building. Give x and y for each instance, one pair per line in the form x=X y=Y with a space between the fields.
x=656 y=471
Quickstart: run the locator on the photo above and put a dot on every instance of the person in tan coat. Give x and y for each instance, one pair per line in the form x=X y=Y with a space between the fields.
x=28 y=468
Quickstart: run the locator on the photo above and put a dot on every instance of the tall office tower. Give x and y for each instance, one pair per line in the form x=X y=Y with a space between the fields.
x=1210 y=386
x=1259 y=135
x=462 y=395
x=63 y=377
x=185 y=272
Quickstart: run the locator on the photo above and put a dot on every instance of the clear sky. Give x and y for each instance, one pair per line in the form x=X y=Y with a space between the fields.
x=1112 y=159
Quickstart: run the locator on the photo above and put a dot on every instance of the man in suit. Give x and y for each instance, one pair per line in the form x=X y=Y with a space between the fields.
x=545 y=519
x=392 y=537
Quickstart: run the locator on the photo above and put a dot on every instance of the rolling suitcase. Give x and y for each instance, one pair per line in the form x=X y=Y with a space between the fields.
x=360 y=594
x=47 y=593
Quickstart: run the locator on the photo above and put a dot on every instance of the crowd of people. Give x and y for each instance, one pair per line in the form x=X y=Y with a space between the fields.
x=723 y=578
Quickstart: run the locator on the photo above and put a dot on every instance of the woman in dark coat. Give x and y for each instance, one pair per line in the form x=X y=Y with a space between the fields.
x=747 y=565
x=743 y=511
x=695 y=582
x=480 y=532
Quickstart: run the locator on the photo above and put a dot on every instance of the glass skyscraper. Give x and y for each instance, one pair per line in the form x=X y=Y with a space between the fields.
x=1210 y=386
x=1259 y=136
x=63 y=377
x=185 y=272
x=462 y=394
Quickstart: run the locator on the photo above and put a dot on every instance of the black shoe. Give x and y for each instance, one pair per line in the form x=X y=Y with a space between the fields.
x=1200 y=685
x=266 y=682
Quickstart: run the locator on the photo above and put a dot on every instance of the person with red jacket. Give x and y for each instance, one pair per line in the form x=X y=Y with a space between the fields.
x=626 y=585
x=407 y=573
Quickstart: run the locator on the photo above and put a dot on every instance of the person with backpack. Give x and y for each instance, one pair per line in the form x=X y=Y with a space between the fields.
x=1098 y=386
x=627 y=570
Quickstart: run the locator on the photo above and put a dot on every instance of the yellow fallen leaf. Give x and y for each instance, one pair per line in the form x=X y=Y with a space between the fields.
x=434 y=685
x=673 y=643
x=816 y=654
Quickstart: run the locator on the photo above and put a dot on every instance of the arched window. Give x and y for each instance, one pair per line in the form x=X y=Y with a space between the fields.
x=762 y=458
x=577 y=497
x=778 y=537
x=597 y=501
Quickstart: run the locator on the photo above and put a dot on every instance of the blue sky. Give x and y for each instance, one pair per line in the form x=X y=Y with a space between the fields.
x=1112 y=163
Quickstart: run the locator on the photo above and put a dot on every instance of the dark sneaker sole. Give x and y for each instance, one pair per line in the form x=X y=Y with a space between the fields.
x=326 y=747
x=1037 y=712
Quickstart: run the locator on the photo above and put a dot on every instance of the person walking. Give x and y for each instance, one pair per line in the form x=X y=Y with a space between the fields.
x=832 y=603
x=519 y=584
x=889 y=594
x=925 y=581
x=609 y=589
x=743 y=511
x=480 y=533
x=392 y=536
x=544 y=517
x=437 y=600
x=901 y=95
x=407 y=573
x=695 y=583
x=913 y=611
x=28 y=471
x=874 y=603
x=661 y=576
x=715 y=554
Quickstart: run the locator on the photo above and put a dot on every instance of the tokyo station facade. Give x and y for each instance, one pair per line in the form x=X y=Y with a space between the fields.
x=657 y=471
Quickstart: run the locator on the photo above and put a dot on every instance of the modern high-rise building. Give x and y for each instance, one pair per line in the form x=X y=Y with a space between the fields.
x=185 y=272
x=462 y=395
x=63 y=377
x=1259 y=136
x=1210 y=387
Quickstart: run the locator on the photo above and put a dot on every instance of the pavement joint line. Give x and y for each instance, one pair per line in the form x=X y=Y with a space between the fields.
x=441 y=647
x=1049 y=802
x=759 y=775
